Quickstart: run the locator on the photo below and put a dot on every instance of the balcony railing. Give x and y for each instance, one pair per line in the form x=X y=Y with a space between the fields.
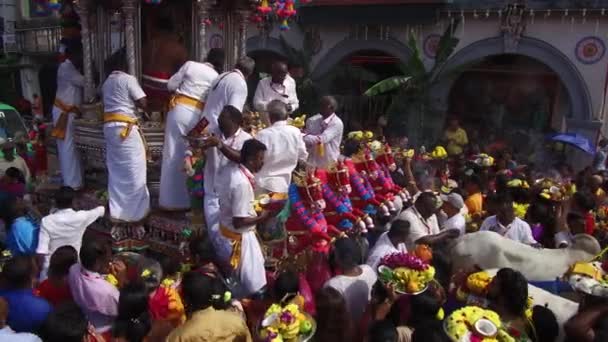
x=39 y=40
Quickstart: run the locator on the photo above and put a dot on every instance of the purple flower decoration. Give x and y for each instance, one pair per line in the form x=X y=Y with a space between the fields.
x=287 y=317
x=404 y=260
x=271 y=336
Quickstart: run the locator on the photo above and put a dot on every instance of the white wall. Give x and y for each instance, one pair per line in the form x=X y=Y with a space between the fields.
x=562 y=33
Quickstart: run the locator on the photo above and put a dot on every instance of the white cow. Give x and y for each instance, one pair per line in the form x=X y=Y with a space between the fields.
x=563 y=308
x=490 y=250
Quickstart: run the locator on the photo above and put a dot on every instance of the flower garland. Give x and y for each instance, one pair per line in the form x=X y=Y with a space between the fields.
x=341 y=205
x=315 y=221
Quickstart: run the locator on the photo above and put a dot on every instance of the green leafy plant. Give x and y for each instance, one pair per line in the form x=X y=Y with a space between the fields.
x=411 y=100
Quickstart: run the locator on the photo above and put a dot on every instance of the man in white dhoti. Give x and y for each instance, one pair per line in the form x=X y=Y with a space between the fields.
x=190 y=85
x=279 y=86
x=229 y=89
x=324 y=134
x=65 y=109
x=125 y=150
x=285 y=148
x=226 y=151
x=238 y=218
x=390 y=242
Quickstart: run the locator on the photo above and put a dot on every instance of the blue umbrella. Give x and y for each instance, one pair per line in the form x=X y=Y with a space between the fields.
x=577 y=140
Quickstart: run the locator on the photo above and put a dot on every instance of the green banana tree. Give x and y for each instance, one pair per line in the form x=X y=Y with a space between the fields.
x=411 y=102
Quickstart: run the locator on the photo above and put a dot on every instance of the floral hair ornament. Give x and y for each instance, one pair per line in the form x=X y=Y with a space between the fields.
x=298 y=121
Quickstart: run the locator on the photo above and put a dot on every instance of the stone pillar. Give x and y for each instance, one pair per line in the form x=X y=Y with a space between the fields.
x=87 y=56
x=128 y=11
x=243 y=20
x=202 y=14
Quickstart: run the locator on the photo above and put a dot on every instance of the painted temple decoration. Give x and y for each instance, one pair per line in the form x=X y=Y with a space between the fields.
x=513 y=26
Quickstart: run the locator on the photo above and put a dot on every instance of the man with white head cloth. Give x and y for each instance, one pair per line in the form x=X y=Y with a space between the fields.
x=324 y=134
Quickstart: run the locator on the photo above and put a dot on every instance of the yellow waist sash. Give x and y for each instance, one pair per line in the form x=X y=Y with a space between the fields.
x=117 y=117
x=130 y=121
x=236 y=241
x=61 y=126
x=185 y=100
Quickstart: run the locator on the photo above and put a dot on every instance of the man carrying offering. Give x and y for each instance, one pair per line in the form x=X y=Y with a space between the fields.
x=238 y=218
x=323 y=134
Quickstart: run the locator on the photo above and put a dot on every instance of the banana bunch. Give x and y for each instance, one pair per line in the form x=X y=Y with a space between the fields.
x=298 y=121
x=360 y=135
x=484 y=160
x=520 y=209
x=518 y=183
x=439 y=153
x=288 y=325
x=110 y=278
x=413 y=280
x=375 y=146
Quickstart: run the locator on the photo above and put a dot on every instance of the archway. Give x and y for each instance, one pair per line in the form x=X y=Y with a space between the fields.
x=351 y=77
x=580 y=105
x=510 y=98
x=349 y=47
x=574 y=105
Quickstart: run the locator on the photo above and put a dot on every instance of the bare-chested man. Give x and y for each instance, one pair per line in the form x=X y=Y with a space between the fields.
x=162 y=56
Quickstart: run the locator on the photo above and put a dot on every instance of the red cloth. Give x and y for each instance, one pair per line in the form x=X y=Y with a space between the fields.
x=40 y=158
x=11 y=189
x=55 y=295
x=589 y=223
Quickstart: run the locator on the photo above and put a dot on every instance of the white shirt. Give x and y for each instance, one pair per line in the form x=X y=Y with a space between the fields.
x=70 y=83
x=285 y=147
x=64 y=227
x=193 y=79
x=9 y=335
x=236 y=198
x=457 y=222
x=267 y=91
x=419 y=227
x=216 y=161
x=518 y=230
x=326 y=131
x=355 y=290
x=228 y=88
x=120 y=91
x=382 y=248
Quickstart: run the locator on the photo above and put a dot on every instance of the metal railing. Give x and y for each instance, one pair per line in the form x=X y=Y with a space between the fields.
x=39 y=40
